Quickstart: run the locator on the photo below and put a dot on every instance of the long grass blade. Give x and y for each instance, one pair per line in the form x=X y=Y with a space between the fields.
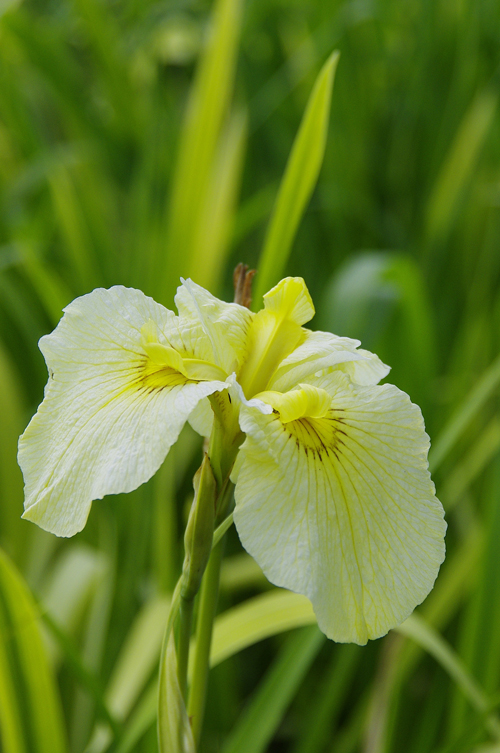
x=258 y=618
x=207 y=108
x=298 y=181
x=30 y=708
x=459 y=163
x=470 y=407
x=258 y=723
x=429 y=639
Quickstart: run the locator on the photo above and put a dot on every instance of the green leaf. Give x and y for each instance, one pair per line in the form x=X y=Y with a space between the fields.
x=30 y=711
x=142 y=718
x=50 y=288
x=260 y=720
x=381 y=298
x=109 y=51
x=136 y=661
x=258 y=618
x=211 y=243
x=298 y=181
x=241 y=572
x=459 y=421
x=174 y=729
x=429 y=639
x=479 y=639
x=68 y=590
x=331 y=691
x=73 y=227
x=469 y=467
x=11 y=481
x=459 y=163
x=199 y=143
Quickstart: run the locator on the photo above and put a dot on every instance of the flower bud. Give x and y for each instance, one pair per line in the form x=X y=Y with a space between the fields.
x=199 y=530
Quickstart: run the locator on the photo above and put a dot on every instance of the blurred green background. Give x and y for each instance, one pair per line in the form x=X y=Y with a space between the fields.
x=134 y=149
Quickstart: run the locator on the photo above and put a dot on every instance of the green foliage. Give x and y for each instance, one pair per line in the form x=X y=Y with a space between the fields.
x=298 y=181
x=141 y=141
x=30 y=712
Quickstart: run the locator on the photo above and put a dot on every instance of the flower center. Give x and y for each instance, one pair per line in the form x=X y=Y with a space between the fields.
x=307 y=415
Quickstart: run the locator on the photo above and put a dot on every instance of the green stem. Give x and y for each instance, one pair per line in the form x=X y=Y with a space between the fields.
x=185 y=622
x=162 y=683
x=207 y=606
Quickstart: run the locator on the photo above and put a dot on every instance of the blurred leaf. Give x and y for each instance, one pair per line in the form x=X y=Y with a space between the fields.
x=50 y=288
x=137 y=659
x=23 y=313
x=141 y=719
x=199 y=143
x=469 y=467
x=298 y=181
x=429 y=639
x=479 y=641
x=30 y=712
x=211 y=244
x=317 y=730
x=460 y=161
x=260 y=719
x=241 y=571
x=107 y=46
x=457 y=579
x=380 y=298
x=68 y=589
x=12 y=411
x=252 y=212
x=73 y=661
x=464 y=414
x=95 y=637
x=258 y=618
x=359 y=298
x=48 y=53
x=74 y=230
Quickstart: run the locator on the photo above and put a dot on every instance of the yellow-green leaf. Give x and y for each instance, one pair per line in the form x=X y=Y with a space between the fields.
x=207 y=107
x=298 y=181
x=30 y=710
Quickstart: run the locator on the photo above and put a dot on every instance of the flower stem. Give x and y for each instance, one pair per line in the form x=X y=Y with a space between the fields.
x=207 y=606
x=185 y=622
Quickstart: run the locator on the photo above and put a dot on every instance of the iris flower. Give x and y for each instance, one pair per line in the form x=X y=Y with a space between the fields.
x=333 y=496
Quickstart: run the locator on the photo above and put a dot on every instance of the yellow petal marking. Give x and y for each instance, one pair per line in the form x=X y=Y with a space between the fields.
x=275 y=332
x=166 y=367
x=307 y=401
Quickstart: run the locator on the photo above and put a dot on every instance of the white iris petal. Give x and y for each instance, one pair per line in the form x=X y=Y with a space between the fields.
x=342 y=508
x=333 y=494
x=111 y=411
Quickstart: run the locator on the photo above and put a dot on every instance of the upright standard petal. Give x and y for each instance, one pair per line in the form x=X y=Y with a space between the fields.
x=117 y=397
x=219 y=329
x=338 y=504
x=275 y=332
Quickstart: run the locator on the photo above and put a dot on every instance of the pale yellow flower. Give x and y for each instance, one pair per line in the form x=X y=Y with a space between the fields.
x=333 y=496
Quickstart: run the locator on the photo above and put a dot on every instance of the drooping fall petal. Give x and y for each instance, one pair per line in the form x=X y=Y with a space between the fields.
x=119 y=392
x=340 y=507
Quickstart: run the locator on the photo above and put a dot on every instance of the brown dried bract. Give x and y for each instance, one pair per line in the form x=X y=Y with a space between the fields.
x=242 y=279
